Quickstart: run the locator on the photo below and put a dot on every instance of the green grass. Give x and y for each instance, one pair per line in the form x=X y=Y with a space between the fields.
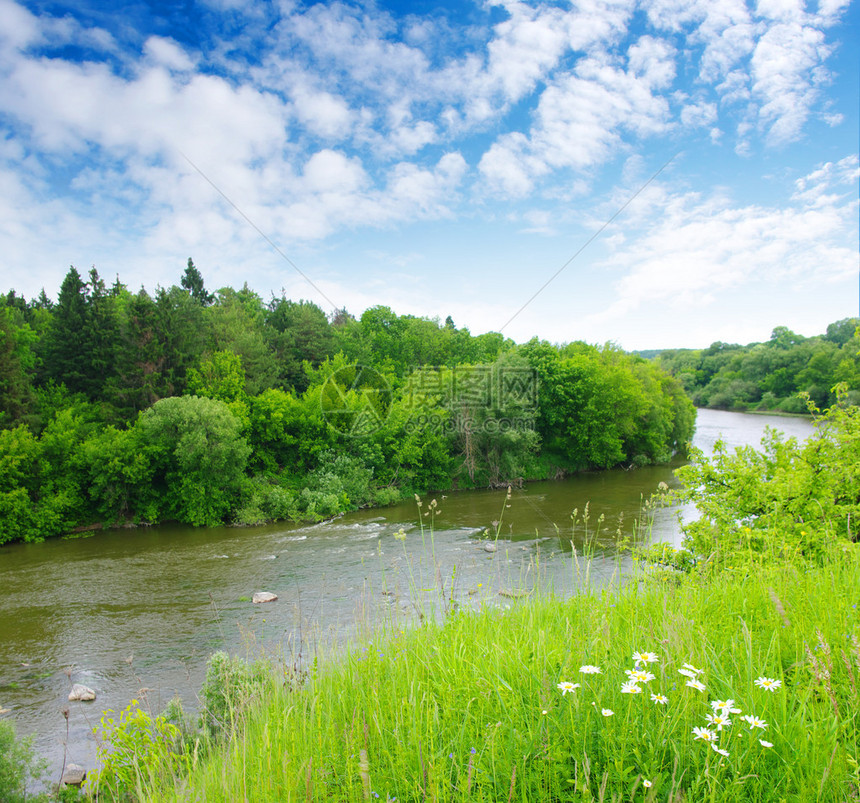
x=470 y=709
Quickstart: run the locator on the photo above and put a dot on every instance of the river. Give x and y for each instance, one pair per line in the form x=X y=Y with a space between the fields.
x=136 y=613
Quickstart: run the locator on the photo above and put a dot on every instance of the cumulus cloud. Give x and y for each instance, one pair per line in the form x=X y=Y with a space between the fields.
x=324 y=117
x=700 y=246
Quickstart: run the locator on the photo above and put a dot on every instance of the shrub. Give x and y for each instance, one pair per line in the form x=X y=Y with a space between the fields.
x=18 y=766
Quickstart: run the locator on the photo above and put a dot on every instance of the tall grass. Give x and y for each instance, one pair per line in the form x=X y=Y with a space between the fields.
x=476 y=707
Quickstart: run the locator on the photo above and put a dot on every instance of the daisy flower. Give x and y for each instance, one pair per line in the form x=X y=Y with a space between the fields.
x=692 y=668
x=607 y=712
x=755 y=722
x=718 y=720
x=662 y=699
x=630 y=688
x=771 y=684
x=647 y=784
x=645 y=658
x=565 y=686
x=639 y=675
x=687 y=673
x=763 y=743
x=588 y=669
x=726 y=706
x=705 y=734
x=719 y=750
x=695 y=684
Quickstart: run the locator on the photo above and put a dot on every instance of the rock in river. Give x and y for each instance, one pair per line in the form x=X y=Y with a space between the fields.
x=74 y=775
x=263 y=596
x=489 y=547
x=81 y=692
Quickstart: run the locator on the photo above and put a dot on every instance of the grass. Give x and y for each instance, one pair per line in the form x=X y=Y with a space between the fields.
x=470 y=708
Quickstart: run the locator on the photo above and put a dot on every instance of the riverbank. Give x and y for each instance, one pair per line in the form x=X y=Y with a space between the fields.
x=530 y=703
x=733 y=675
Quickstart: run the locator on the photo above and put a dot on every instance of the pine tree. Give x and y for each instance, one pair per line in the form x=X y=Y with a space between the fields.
x=192 y=281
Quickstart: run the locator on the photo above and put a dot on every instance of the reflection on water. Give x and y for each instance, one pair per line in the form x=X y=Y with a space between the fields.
x=135 y=613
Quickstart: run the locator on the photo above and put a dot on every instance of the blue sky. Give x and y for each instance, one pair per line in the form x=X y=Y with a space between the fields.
x=447 y=158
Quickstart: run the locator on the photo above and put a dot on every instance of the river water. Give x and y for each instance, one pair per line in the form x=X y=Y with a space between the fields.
x=136 y=613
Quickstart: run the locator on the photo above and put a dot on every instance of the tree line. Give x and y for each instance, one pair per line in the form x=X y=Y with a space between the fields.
x=121 y=407
x=772 y=375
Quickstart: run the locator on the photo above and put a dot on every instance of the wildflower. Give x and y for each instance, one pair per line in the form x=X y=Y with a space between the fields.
x=718 y=720
x=662 y=699
x=588 y=669
x=647 y=784
x=755 y=722
x=726 y=706
x=630 y=688
x=645 y=658
x=705 y=734
x=687 y=673
x=543 y=713
x=639 y=675
x=565 y=686
x=692 y=668
x=695 y=684
x=763 y=743
x=771 y=684
x=719 y=750
x=400 y=535
x=607 y=712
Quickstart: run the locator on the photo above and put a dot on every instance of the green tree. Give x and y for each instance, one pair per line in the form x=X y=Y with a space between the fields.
x=298 y=332
x=66 y=345
x=237 y=323
x=192 y=281
x=141 y=356
x=17 y=361
x=784 y=500
x=198 y=455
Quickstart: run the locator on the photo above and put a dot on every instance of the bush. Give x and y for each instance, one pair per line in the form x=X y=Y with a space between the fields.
x=231 y=685
x=18 y=766
x=264 y=500
x=787 y=500
x=135 y=749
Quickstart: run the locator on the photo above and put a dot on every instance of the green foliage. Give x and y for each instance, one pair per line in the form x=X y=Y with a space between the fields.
x=18 y=766
x=788 y=499
x=230 y=688
x=771 y=375
x=134 y=750
x=222 y=377
x=264 y=500
x=331 y=414
x=198 y=455
x=17 y=361
x=192 y=281
x=600 y=407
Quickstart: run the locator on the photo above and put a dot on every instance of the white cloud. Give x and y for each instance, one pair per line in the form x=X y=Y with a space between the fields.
x=322 y=113
x=783 y=77
x=20 y=28
x=700 y=247
x=699 y=114
x=167 y=53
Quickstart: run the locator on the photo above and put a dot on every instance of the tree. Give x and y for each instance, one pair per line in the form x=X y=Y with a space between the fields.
x=192 y=281
x=16 y=365
x=66 y=358
x=141 y=357
x=198 y=455
x=298 y=331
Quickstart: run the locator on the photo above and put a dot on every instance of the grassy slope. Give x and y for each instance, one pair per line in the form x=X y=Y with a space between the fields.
x=470 y=709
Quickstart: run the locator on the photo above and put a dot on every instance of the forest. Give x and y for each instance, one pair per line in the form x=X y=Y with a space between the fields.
x=121 y=408
x=771 y=375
